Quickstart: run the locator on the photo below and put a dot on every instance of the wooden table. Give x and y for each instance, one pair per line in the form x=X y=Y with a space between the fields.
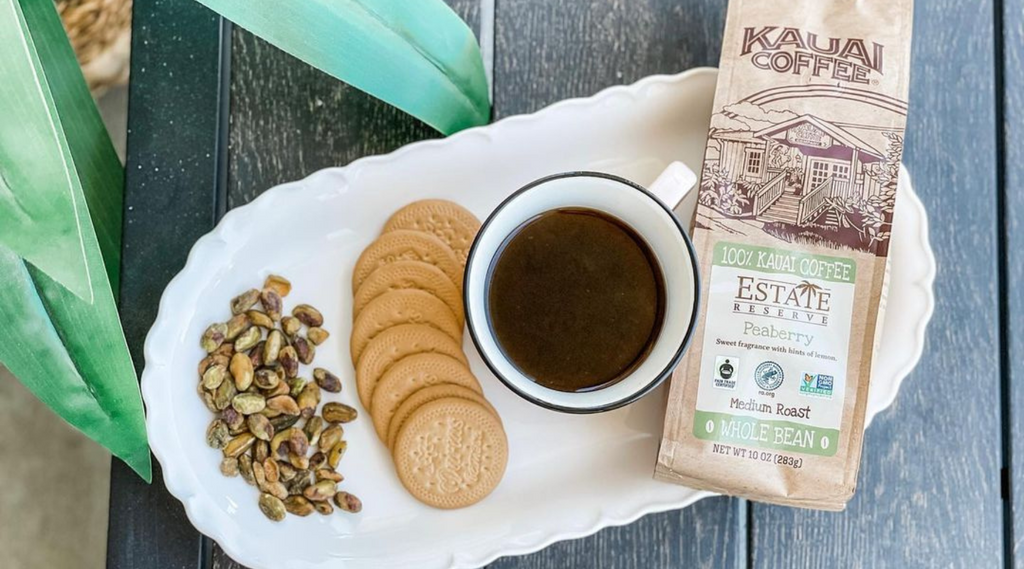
x=217 y=116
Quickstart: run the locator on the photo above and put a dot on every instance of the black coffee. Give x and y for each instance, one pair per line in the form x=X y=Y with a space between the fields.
x=576 y=299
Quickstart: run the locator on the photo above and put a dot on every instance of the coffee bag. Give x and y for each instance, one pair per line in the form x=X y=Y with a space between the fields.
x=792 y=229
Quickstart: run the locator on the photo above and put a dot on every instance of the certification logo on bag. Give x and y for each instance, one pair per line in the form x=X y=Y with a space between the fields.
x=725 y=372
x=817 y=385
x=769 y=376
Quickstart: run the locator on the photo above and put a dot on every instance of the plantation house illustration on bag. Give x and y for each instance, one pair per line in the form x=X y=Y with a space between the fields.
x=792 y=171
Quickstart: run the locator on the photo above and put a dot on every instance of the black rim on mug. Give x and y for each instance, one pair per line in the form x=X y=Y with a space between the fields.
x=662 y=375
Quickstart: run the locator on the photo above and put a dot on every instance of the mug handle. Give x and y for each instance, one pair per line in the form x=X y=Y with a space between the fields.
x=673 y=184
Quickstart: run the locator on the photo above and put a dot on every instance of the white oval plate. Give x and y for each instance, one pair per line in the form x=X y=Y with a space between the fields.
x=562 y=468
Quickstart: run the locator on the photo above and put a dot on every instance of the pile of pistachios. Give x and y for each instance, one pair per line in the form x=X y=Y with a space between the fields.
x=266 y=414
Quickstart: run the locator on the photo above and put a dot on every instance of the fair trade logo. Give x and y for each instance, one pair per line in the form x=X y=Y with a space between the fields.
x=801 y=301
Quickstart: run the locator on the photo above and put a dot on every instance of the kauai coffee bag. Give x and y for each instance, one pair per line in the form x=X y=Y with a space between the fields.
x=792 y=230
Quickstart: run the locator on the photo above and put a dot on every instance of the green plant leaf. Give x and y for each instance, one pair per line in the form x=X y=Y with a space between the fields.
x=417 y=55
x=97 y=171
x=39 y=225
x=61 y=335
x=72 y=356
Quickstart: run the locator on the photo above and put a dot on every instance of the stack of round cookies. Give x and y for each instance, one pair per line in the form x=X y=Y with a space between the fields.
x=447 y=441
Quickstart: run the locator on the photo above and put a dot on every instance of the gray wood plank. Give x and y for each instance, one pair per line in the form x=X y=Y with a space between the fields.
x=929 y=490
x=547 y=51
x=171 y=183
x=708 y=535
x=1013 y=243
x=289 y=120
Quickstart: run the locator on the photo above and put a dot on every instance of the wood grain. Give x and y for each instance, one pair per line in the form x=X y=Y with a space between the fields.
x=170 y=201
x=1013 y=245
x=289 y=120
x=707 y=535
x=547 y=51
x=929 y=492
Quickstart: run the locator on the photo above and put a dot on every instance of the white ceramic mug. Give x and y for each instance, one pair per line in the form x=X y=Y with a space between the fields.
x=649 y=214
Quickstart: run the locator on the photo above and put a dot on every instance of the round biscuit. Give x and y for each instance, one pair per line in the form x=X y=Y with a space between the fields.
x=411 y=374
x=394 y=344
x=451 y=453
x=402 y=275
x=408 y=245
x=425 y=395
x=409 y=306
x=449 y=221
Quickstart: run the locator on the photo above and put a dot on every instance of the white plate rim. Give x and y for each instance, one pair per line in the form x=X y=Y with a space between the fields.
x=925 y=288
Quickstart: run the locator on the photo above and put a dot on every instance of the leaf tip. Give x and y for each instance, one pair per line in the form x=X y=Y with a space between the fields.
x=141 y=462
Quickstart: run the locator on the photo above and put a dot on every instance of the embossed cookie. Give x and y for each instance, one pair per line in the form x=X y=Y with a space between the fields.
x=394 y=344
x=407 y=245
x=409 y=306
x=451 y=453
x=449 y=221
x=425 y=395
x=411 y=374
x=402 y=275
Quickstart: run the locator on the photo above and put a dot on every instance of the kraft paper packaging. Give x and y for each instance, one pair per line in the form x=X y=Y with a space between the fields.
x=792 y=230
